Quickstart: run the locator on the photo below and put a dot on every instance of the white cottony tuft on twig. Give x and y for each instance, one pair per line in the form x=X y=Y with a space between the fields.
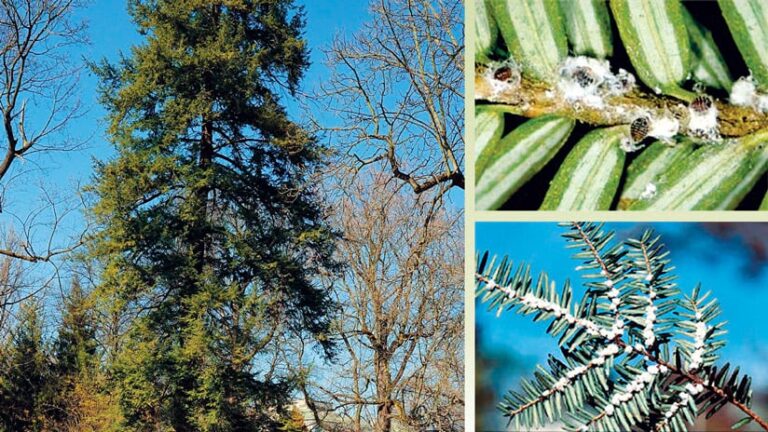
x=699 y=349
x=744 y=92
x=503 y=79
x=589 y=81
x=664 y=128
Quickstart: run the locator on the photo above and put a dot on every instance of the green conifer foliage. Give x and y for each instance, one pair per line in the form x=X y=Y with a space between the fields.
x=75 y=348
x=211 y=232
x=26 y=390
x=75 y=370
x=636 y=355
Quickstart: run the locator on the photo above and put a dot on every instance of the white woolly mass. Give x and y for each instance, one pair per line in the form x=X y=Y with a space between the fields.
x=694 y=389
x=576 y=372
x=621 y=83
x=684 y=396
x=663 y=128
x=501 y=88
x=744 y=92
x=697 y=357
x=762 y=103
x=611 y=349
x=650 y=317
x=602 y=82
x=635 y=386
x=571 y=375
x=648 y=193
x=649 y=336
x=617 y=330
x=628 y=145
x=530 y=300
x=703 y=124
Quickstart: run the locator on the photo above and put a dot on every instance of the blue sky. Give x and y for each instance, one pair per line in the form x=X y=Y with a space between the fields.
x=697 y=256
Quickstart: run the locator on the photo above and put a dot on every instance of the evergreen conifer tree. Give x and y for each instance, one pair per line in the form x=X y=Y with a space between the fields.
x=211 y=234
x=74 y=373
x=75 y=347
x=25 y=386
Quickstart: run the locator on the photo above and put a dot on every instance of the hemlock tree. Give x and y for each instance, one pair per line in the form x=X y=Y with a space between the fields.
x=211 y=236
x=26 y=388
x=75 y=373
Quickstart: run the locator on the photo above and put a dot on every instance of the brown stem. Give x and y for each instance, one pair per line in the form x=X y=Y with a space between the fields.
x=593 y=249
x=713 y=388
x=533 y=99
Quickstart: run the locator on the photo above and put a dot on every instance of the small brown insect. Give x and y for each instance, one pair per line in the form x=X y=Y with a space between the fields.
x=701 y=104
x=503 y=73
x=584 y=76
x=638 y=130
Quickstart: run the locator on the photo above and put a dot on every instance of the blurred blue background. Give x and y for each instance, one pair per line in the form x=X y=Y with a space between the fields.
x=727 y=258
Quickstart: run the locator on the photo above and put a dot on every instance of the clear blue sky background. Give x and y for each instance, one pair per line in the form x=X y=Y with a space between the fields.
x=698 y=257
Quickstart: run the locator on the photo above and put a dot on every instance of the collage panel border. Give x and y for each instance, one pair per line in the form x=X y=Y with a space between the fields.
x=471 y=216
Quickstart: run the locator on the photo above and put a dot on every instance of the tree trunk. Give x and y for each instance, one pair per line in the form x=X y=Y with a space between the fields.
x=383 y=393
x=201 y=238
x=199 y=241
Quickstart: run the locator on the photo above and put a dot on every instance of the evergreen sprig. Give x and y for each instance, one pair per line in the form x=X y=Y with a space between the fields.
x=636 y=354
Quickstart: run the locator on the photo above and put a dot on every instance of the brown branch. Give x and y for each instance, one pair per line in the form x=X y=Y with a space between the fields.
x=534 y=99
x=713 y=388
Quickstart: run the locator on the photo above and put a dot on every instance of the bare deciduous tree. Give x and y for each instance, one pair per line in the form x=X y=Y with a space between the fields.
x=36 y=72
x=400 y=326
x=396 y=90
x=38 y=85
x=18 y=284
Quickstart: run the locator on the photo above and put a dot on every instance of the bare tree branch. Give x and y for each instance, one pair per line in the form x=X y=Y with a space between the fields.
x=35 y=73
x=396 y=90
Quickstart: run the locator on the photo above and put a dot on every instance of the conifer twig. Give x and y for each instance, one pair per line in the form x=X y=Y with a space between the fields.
x=535 y=98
